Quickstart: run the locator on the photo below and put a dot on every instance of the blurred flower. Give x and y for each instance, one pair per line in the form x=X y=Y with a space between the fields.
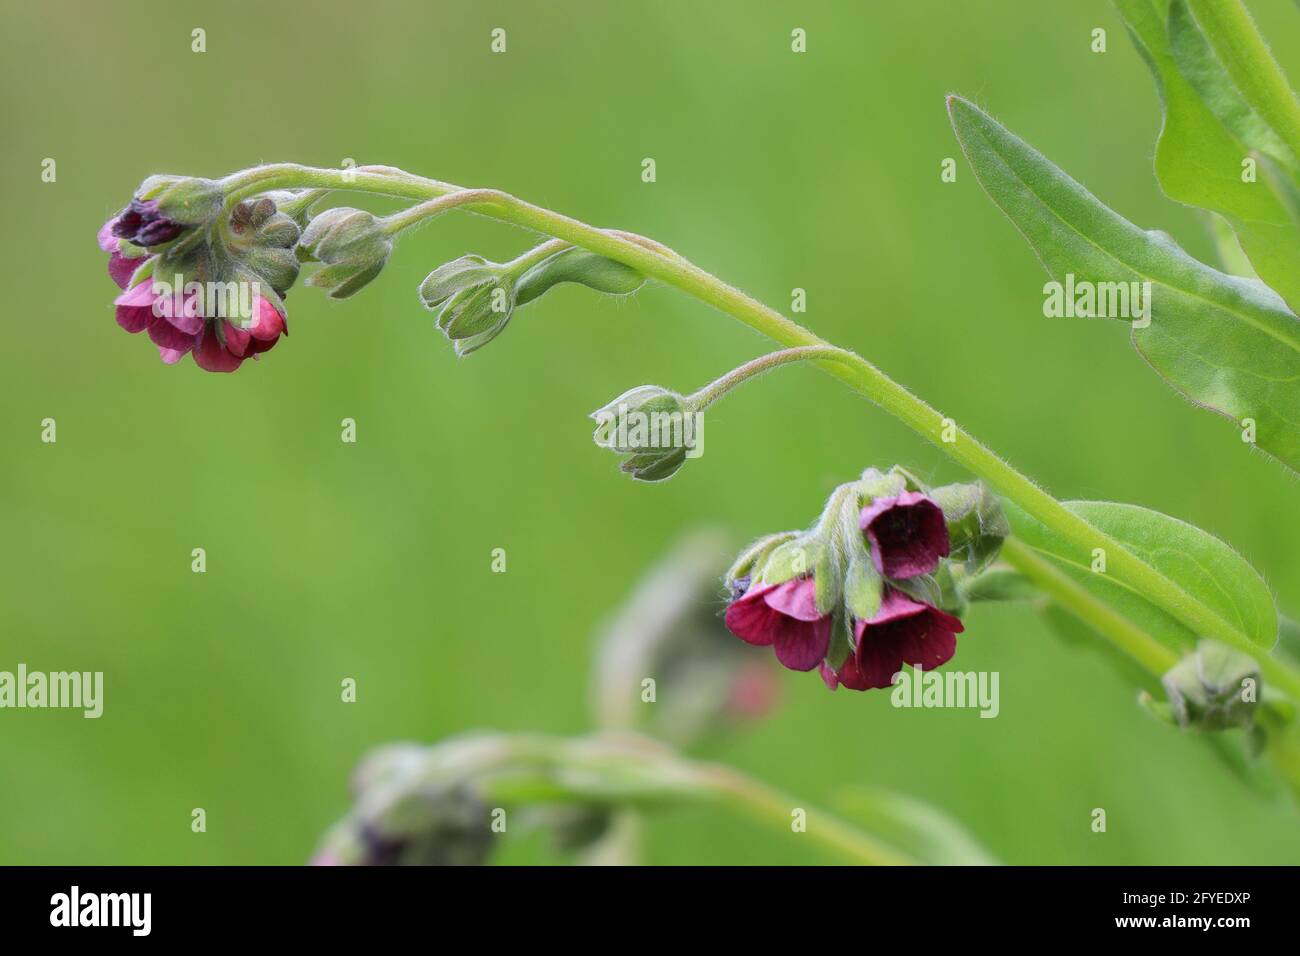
x=904 y=631
x=1213 y=689
x=668 y=629
x=907 y=534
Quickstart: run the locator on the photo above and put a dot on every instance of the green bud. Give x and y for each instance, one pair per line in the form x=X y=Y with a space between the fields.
x=582 y=267
x=977 y=525
x=863 y=587
x=353 y=246
x=188 y=200
x=751 y=562
x=1214 y=688
x=455 y=276
x=655 y=428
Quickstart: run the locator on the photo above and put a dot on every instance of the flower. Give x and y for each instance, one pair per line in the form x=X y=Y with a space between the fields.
x=218 y=344
x=217 y=294
x=907 y=534
x=903 y=631
x=785 y=616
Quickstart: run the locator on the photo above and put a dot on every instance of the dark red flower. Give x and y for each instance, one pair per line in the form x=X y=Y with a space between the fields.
x=784 y=616
x=903 y=631
x=142 y=224
x=907 y=534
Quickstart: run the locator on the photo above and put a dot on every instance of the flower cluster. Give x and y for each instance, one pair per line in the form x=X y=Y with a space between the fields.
x=873 y=585
x=199 y=279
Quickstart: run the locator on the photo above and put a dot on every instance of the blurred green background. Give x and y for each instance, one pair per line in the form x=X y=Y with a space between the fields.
x=328 y=560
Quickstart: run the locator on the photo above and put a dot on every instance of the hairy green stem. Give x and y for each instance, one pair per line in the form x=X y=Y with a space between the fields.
x=1079 y=601
x=855 y=371
x=635 y=773
x=721 y=386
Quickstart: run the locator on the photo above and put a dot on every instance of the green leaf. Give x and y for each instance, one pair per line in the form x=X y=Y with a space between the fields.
x=1209 y=129
x=1198 y=562
x=1225 y=342
x=925 y=832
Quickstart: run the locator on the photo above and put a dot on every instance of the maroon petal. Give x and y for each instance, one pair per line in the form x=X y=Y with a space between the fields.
x=903 y=631
x=800 y=645
x=849 y=675
x=167 y=336
x=120 y=268
x=236 y=339
x=907 y=534
x=135 y=307
x=211 y=355
x=935 y=644
x=751 y=619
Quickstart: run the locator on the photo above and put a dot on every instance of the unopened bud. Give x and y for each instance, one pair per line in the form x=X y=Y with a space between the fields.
x=353 y=246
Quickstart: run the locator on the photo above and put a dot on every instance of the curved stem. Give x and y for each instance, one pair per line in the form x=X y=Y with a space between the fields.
x=769 y=805
x=716 y=389
x=858 y=373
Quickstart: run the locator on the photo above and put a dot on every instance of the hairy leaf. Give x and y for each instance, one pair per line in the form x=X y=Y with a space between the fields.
x=1227 y=343
x=1210 y=129
x=1198 y=562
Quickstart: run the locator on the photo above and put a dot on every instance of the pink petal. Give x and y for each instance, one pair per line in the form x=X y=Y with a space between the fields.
x=135 y=307
x=796 y=598
x=268 y=323
x=171 y=356
x=236 y=339
x=107 y=241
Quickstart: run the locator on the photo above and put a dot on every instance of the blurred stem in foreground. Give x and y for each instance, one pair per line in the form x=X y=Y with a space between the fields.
x=446 y=803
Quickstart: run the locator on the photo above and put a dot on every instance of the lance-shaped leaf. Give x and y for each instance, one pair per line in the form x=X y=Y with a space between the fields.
x=1213 y=142
x=1227 y=343
x=1201 y=564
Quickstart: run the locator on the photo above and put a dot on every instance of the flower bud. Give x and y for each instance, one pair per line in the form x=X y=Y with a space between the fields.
x=353 y=246
x=654 y=428
x=1213 y=689
x=476 y=299
x=166 y=206
x=977 y=525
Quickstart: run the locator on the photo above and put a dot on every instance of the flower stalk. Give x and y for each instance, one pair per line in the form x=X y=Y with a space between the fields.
x=657 y=262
